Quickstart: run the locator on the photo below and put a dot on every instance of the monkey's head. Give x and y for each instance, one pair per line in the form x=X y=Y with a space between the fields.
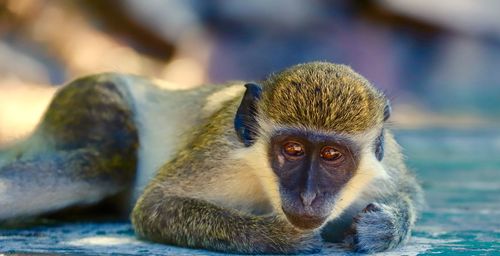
x=320 y=128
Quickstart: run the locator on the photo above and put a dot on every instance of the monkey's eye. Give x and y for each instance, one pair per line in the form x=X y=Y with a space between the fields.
x=329 y=153
x=293 y=149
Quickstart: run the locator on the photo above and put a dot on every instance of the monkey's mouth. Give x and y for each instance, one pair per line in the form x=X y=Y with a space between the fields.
x=305 y=221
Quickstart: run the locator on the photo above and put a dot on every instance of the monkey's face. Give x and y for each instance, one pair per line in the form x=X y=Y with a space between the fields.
x=303 y=115
x=312 y=168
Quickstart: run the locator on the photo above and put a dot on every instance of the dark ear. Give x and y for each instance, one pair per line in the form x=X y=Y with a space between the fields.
x=244 y=121
x=387 y=110
x=379 y=146
x=379 y=141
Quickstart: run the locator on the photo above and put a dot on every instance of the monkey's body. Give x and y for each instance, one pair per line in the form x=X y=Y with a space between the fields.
x=213 y=187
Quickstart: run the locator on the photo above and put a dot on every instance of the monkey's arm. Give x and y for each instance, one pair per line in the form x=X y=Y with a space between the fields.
x=197 y=223
x=387 y=221
x=382 y=225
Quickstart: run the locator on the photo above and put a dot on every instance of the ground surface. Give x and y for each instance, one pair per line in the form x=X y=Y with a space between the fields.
x=460 y=172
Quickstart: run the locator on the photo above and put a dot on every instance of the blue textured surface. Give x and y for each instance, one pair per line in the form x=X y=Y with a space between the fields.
x=460 y=172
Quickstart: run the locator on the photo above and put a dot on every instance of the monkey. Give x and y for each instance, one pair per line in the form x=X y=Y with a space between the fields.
x=271 y=167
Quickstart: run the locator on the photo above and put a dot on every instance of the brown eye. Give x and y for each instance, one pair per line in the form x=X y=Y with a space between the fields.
x=293 y=149
x=330 y=154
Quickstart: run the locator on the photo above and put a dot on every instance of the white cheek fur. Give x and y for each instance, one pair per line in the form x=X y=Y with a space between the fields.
x=369 y=170
x=256 y=158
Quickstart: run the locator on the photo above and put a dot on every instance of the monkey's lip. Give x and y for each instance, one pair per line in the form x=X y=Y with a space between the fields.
x=304 y=221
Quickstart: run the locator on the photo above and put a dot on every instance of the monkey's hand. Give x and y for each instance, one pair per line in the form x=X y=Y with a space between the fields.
x=381 y=226
x=196 y=223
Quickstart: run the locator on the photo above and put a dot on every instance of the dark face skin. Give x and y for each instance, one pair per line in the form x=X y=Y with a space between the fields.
x=312 y=168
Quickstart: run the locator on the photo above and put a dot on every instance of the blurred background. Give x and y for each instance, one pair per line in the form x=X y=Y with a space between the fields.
x=439 y=61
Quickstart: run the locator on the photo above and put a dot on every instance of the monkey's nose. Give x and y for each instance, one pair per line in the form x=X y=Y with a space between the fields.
x=307 y=197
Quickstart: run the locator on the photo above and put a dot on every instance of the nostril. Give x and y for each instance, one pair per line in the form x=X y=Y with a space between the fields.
x=307 y=197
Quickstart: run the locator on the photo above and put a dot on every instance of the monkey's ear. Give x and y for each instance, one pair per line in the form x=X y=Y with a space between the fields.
x=379 y=146
x=379 y=141
x=244 y=121
x=387 y=110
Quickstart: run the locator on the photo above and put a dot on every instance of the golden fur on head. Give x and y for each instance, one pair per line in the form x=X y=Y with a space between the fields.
x=323 y=96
